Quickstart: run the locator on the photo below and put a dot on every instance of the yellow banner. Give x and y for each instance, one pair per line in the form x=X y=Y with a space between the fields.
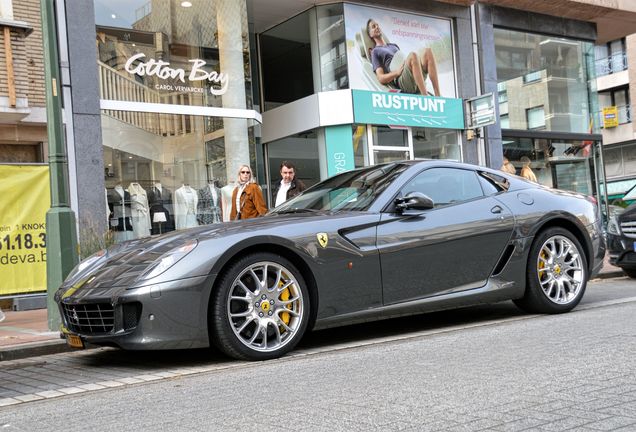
x=24 y=200
x=610 y=117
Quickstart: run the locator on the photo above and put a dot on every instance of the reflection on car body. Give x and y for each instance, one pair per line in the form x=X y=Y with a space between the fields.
x=388 y=240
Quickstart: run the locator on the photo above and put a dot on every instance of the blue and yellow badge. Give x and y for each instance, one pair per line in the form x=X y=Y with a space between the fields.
x=323 y=239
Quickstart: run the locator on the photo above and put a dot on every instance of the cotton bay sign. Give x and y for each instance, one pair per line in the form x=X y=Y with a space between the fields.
x=400 y=109
x=139 y=65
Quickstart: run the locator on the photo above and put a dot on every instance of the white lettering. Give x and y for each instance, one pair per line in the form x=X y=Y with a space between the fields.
x=162 y=70
x=409 y=102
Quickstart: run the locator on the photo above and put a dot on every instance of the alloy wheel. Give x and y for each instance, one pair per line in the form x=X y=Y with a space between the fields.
x=265 y=306
x=560 y=269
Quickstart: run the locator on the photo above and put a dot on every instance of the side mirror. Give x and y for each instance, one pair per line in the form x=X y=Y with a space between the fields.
x=414 y=201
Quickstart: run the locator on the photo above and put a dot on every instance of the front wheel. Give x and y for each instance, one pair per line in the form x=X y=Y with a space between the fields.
x=556 y=273
x=260 y=308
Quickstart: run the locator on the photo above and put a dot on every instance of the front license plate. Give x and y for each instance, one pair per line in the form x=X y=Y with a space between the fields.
x=74 y=341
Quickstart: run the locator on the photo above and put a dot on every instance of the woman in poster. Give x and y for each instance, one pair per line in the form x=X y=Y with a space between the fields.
x=409 y=76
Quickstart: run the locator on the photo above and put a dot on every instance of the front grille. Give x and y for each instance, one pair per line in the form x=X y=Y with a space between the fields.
x=629 y=228
x=88 y=319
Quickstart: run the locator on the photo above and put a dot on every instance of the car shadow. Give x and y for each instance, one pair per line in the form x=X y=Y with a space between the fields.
x=156 y=360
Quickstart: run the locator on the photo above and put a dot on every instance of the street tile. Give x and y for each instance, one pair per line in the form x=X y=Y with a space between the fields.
x=582 y=414
x=130 y=380
x=9 y=401
x=71 y=390
x=91 y=387
x=28 y=398
x=50 y=394
x=520 y=425
x=564 y=424
x=110 y=383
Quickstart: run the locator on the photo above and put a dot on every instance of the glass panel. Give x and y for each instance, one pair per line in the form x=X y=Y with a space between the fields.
x=574 y=176
x=541 y=70
x=613 y=158
x=383 y=156
x=435 y=144
x=536 y=118
x=161 y=51
x=385 y=136
x=158 y=180
x=286 y=62
x=302 y=151
x=445 y=185
x=360 y=145
x=332 y=44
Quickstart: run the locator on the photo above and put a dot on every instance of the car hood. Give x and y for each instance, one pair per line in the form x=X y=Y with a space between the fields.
x=126 y=262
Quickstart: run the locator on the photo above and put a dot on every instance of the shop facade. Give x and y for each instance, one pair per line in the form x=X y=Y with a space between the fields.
x=177 y=95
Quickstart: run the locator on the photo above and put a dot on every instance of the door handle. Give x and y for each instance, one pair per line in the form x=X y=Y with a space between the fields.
x=496 y=209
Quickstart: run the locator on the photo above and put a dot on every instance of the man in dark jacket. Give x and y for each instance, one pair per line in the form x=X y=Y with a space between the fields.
x=289 y=186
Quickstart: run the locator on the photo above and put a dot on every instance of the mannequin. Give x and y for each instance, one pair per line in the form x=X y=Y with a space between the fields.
x=160 y=200
x=119 y=206
x=185 y=207
x=209 y=205
x=139 y=210
x=226 y=200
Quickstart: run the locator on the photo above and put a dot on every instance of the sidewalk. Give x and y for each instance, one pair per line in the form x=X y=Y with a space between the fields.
x=26 y=334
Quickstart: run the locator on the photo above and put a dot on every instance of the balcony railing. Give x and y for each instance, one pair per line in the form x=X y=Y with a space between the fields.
x=612 y=64
x=116 y=86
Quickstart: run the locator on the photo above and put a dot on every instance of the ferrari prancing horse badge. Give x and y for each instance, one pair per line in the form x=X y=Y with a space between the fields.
x=322 y=239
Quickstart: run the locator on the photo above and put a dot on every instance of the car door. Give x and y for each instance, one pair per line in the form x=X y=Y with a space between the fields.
x=452 y=247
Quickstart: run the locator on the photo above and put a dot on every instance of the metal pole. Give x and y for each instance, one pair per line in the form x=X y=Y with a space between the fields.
x=61 y=232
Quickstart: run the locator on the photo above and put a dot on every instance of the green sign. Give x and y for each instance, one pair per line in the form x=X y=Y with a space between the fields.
x=339 y=149
x=402 y=109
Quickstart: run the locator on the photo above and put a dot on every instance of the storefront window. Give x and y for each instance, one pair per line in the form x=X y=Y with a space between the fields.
x=302 y=151
x=286 y=61
x=360 y=145
x=435 y=144
x=169 y=71
x=540 y=72
x=332 y=45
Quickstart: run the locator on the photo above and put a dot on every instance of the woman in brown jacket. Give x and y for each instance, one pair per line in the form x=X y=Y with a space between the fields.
x=247 y=197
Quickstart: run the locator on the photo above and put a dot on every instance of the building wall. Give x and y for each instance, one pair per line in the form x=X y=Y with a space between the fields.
x=32 y=56
x=86 y=124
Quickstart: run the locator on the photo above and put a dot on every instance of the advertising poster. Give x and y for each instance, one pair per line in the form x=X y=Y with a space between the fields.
x=25 y=192
x=399 y=52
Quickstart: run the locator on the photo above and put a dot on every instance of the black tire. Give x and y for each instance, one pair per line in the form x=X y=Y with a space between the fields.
x=243 y=327
x=556 y=260
x=631 y=272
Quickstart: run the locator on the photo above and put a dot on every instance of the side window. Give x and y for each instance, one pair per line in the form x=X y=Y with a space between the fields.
x=445 y=185
x=492 y=183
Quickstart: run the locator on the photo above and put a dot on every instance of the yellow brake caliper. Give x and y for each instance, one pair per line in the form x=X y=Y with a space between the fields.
x=284 y=296
x=541 y=265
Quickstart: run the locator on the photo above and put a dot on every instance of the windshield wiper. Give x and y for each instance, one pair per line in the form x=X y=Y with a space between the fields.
x=297 y=210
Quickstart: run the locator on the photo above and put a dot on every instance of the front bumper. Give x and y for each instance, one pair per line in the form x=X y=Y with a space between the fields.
x=622 y=251
x=170 y=315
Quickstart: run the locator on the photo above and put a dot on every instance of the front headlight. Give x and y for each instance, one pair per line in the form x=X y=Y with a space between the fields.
x=168 y=259
x=613 y=226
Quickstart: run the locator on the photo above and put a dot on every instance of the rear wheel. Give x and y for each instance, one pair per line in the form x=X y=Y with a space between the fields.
x=556 y=273
x=260 y=309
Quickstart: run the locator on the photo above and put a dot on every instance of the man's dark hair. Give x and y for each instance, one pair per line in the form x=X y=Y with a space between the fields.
x=369 y=22
x=287 y=164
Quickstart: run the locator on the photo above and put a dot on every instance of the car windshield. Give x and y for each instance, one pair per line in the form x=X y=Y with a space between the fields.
x=351 y=191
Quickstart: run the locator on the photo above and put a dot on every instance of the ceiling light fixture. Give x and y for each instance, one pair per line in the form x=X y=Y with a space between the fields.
x=186 y=4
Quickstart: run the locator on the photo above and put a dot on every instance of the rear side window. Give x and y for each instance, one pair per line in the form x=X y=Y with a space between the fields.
x=445 y=185
x=493 y=183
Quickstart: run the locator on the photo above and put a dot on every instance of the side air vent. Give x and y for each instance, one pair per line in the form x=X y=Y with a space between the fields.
x=505 y=257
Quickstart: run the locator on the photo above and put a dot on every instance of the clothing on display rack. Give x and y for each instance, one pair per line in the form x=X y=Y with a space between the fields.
x=209 y=205
x=226 y=200
x=140 y=211
x=160 y=201
x=120 y=213
x=185 y=207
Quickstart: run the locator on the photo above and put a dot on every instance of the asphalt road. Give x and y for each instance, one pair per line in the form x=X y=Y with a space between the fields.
x=484 y=368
